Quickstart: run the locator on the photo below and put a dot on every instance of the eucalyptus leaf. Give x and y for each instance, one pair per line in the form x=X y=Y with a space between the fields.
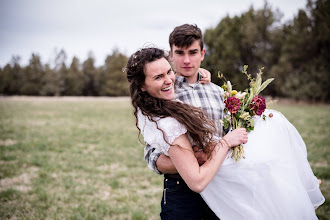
x=264 y=85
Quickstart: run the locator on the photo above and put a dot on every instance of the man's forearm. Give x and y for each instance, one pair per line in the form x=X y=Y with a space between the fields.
x=165 y=165
x=151 y=155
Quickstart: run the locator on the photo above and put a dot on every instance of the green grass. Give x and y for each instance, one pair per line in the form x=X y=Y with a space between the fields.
x=81 y=159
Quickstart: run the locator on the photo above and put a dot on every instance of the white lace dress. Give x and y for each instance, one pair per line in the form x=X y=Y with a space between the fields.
x=274 y=181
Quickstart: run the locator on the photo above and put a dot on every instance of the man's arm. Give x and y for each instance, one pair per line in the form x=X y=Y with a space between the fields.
x=159 y=163
x=165 y=165
x=151 y=155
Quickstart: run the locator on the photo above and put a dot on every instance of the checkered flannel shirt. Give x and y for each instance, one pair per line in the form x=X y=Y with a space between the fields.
x=208 y=97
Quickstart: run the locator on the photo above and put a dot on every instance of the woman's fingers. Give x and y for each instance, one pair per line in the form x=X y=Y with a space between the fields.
x=237 y=137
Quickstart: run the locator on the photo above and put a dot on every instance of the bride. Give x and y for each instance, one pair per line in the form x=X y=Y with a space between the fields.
x=275 y=180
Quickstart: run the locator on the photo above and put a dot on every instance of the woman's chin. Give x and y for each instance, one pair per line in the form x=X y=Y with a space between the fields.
x=169 y=96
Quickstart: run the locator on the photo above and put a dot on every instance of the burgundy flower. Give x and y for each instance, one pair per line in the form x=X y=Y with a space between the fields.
x=258 y=105
x=232 y=104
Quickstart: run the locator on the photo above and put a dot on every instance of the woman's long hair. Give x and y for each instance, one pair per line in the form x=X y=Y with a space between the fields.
x=198 y=126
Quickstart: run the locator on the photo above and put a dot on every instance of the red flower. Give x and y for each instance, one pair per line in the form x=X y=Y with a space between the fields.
x=258 y=105
x=232 y=104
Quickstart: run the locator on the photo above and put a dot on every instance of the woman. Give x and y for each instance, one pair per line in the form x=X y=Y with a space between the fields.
x=274 y=182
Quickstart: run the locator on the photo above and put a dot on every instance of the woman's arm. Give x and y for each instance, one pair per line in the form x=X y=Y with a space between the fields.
x=198 y=177
x=164 y=163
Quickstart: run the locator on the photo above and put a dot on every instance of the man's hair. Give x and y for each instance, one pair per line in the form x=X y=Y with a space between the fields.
x=185 y=35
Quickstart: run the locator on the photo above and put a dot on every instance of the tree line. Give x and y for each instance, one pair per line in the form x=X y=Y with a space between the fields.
x=77 y=79
x=296 y=53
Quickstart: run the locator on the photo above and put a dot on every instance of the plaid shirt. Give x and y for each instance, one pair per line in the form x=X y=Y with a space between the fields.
x=208 y=97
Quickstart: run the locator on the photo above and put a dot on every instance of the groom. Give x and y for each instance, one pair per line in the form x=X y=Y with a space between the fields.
x=187 y=52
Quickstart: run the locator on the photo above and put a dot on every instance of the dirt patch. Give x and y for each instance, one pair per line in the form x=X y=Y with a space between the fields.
x=7 y=142
x=21 y=183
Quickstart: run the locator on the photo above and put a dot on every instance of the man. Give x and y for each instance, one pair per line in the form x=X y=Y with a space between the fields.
x=186 y=52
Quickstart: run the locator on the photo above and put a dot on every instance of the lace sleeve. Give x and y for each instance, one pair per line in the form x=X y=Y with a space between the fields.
x=153 y=136
x=172 y=129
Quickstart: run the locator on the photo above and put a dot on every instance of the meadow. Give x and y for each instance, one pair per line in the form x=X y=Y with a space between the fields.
x=81 y=158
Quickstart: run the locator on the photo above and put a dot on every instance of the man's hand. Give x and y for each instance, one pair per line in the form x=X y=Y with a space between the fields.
x=200 y=155
x=165 y=165
x=206 y=76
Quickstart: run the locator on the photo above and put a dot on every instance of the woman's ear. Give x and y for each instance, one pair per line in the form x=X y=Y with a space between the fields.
x=143 y=89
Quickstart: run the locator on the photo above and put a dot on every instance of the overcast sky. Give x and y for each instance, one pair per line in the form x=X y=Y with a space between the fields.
x=80 y=26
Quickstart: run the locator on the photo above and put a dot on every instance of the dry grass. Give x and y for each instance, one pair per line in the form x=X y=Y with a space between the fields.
x=80 y=158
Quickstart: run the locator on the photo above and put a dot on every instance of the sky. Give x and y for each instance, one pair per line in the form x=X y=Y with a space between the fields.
x=97 y=27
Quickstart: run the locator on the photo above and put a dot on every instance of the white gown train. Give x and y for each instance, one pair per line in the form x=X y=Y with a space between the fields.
x=274 y=181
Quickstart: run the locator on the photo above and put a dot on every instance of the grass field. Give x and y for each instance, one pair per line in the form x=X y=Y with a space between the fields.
x=67 y=158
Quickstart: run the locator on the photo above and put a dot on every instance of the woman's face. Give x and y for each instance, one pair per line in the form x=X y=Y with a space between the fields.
x=159 y=79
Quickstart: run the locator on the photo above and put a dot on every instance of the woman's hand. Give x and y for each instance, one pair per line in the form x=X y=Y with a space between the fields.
x=236 y=137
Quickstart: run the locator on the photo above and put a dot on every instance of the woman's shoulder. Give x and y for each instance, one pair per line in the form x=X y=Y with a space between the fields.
x=169 y=125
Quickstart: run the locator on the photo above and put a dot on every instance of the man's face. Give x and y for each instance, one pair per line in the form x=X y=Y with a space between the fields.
x=187 y=60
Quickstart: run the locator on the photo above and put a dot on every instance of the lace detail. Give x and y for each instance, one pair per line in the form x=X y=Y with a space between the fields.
x=152 y=135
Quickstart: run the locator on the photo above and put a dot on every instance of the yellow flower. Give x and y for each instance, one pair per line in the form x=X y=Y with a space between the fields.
x=234 y=92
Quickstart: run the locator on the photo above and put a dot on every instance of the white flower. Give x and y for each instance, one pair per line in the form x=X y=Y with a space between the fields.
x=225 y=94
x=240 y=95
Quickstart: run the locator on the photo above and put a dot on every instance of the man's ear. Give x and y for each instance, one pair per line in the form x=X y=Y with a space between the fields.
x=202 y=54
x=171 y=54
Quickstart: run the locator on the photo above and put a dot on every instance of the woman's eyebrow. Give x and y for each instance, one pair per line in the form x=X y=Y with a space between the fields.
x=155 y=76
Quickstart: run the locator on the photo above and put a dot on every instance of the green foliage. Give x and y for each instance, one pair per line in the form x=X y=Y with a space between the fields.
x=74 y=80
x=32 y=76
x=296 y=54
x=89 y=74
x=241 y=40
x=11 y=77
x=112 y=76
x=303 y=67
x=57 y=80
x=54 y=78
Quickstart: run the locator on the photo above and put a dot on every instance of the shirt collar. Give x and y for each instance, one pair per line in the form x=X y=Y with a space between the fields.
x=181 y=79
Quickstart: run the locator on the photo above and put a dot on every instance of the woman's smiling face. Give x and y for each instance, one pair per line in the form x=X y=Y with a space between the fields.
x=159 y=79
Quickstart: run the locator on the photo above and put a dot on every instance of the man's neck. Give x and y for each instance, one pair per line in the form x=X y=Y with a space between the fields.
x=192 y=79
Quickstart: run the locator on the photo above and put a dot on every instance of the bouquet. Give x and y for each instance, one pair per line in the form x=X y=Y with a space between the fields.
x=240 y=107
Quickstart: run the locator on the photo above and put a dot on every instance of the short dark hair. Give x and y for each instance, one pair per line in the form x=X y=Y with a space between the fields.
x=185 y=35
